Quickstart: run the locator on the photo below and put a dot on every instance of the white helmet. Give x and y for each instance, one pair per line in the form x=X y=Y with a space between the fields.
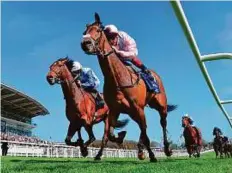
x=111 y=29
x=76 y=66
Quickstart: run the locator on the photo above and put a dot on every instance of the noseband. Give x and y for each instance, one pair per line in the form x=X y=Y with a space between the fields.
x=58 y=73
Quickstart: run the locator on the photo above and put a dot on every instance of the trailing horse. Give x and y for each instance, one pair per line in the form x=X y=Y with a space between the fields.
x=124 y=90
x=221 y=144
x=192 y=136
x=80 y=106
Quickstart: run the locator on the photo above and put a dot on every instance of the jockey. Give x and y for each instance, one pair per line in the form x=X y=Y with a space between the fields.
x=191 y=122
x=217 y=129
x=86 y=78
x=125 y=46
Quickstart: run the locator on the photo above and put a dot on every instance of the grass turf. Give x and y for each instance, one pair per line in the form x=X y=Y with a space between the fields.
x=206 y=164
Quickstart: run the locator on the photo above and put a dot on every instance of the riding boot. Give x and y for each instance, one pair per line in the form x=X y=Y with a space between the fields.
x=145 y=70
x=100 y=101
x=98 y=98
x=150 y=76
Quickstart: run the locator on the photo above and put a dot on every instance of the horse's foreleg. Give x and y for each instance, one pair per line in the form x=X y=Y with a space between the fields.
x=104 y=139
x=221 y=151
x=113 y=117
x=89 y=129
x=72 y=128
x=79 y=141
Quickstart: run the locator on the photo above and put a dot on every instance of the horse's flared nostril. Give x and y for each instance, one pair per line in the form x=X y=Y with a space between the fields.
x=50 y=80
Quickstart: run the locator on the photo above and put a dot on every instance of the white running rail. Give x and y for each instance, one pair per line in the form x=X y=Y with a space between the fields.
x=201 y=59
x=61 y=150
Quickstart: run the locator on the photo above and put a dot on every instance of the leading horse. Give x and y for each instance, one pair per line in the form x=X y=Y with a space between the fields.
x=80 y=106
x=192 y=136
x=124 y=90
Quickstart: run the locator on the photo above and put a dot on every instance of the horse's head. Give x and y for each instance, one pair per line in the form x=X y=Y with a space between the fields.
x=56 y=73
x=94 y=38
x=217 y=131
x=186 y=121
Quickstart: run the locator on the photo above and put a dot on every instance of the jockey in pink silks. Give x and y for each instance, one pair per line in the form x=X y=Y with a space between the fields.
x=125 y=46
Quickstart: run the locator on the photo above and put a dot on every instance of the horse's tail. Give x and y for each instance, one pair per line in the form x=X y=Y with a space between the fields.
x=171 y=108
x=121 y=123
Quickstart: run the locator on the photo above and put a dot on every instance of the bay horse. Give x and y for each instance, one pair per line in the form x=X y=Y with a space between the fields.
x=192 y=136
x=80 y=106
x=124 y=90
x=221 y=144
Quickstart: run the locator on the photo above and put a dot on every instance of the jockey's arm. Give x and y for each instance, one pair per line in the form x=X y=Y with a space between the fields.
x=129 y=48
x=128 y=54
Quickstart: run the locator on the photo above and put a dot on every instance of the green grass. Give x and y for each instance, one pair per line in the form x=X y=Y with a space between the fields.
x=207 y=164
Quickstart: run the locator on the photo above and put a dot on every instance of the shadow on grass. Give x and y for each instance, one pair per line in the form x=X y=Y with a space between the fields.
x=106 y=161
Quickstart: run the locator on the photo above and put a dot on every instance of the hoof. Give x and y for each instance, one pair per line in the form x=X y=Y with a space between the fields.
x=84 y=151
x=168 y=152
x=121 y=136
x=141 y=156
x=153 y=160
x=97 y=158
x=79 y=142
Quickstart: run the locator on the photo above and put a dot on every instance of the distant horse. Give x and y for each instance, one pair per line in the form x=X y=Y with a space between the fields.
x=80 y=106
x=124 y=90
x=227 y=147
x=221 y=144
x=192 y=136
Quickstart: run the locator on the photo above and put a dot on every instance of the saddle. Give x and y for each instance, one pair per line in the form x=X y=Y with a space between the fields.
x=148 y=78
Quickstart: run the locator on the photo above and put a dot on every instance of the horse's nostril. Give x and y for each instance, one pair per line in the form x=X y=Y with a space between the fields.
x=88 y=42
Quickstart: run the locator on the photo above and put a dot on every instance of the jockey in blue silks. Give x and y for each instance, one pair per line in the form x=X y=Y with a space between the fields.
x=86 y=78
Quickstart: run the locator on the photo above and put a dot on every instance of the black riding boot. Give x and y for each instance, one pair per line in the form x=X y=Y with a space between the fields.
x=100 y=101
x=98 y=98
x=145 y=70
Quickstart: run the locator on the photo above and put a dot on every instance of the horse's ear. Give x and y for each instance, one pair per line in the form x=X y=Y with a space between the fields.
x=97 y=18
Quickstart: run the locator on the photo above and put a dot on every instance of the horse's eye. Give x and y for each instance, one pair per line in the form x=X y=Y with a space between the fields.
x=99 y=30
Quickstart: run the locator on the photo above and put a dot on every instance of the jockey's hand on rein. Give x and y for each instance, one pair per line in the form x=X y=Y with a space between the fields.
x=115 y=49
x=78 y=83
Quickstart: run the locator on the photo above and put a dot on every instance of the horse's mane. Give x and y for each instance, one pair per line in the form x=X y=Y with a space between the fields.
x=69 y=63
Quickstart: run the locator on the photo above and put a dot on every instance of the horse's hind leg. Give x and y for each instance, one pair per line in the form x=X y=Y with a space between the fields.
x=140 y=119
x=159 y=102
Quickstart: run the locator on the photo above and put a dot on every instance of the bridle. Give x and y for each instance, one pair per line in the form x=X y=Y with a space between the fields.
x=96 y=42
x=58 y=73
x=100 y=51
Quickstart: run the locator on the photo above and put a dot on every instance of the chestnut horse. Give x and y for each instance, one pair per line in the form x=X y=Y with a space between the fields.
x=124 y=90
x=192 y=136
x=80 y=106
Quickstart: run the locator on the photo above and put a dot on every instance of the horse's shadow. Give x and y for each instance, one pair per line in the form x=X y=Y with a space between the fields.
x=115 y=162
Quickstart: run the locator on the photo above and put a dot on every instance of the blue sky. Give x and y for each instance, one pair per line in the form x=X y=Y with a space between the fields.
x=35 y=34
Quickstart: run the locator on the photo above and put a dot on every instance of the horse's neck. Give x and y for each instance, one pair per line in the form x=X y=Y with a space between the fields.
x=69 y=87
x=189 y=128
x=112 y=67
